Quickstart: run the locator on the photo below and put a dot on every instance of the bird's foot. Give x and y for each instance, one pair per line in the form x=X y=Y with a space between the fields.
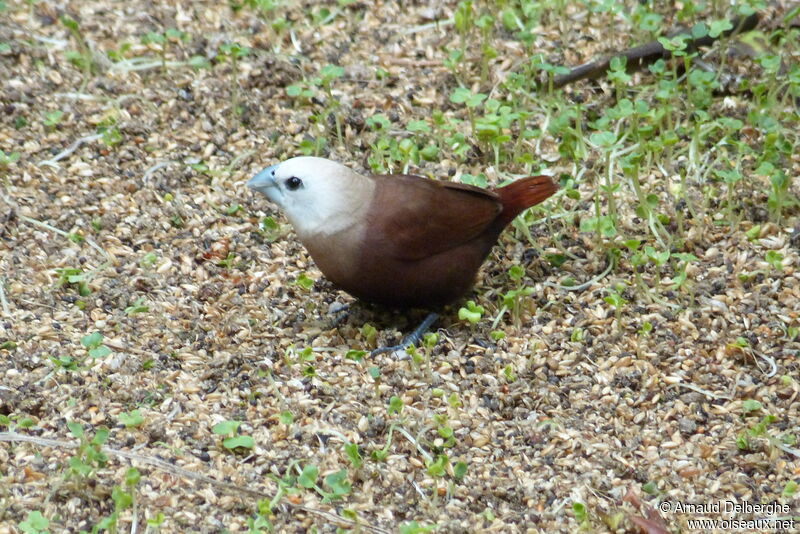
x=412 y=339
x=338 y=312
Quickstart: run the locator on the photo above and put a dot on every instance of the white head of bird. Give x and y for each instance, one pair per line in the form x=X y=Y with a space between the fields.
x=318 y=196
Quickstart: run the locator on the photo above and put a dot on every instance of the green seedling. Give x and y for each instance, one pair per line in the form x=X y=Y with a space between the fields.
x=313 y=146
x=744 y=441
x=478 y=181
x=464 y=21
x=353 y=454
x=149 y=260
x=13 y=422
x=650 y=488
x=233 y=441
x=684 y=259
x=395 y=405
x=750 y=405
x=35 y=523
x=234 y=52
x=124 y=499
x=646 y=329
x=337 y=483
x=138 y=306
x=355 y=355
x=6 y=160
x=320 y=89
x=471 y=313
x=509 y=374
x=471 y=100
x=774 y=259
x=305 y=281
x=369 y=333
x=161 y=41
x=538 y=63
x=94 y=345
x=67 y=363
x=271 y=229
x=328 y=74
x=53 y=118
x=618 y=75
x=493 y=128
x=413 y=527
x=581 y=515
x=82 y=58
x=497 y=335
x=89 y=455
x=286 y=418
x=485 y=24
x=131 y=419
x=616 y=301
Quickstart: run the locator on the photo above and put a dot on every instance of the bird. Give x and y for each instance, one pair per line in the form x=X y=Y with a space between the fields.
x=397 y=240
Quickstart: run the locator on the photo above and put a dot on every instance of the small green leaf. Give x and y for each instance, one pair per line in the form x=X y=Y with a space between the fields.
x=355 y=355
x=438 y=466
x=308 y=478
x=99 y=352
x=75 y=429
x=131 y=419
x=339 y=484
x=581 y=514
x=775 y=259
x=246 y=442
x=718 y=27
x=286 y=417
x=92 y=340
x=379 y=121
x=331 y=72
x=101 y=435
x=413 y=527
x=790 y=490
x=351 y=449
x=650 y=487
x=138 y=306
x=751 y=405
x=35 y=523
x=460 y=470
x=132 y=477
x=122 y=499
x=395 y=405
x=418 y=126
x=226 y=428
x=471 y=313
x=199 y=62
x=305 y=281
x=497 y=335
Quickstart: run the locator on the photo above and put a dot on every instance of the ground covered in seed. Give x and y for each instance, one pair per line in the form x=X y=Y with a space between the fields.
x=146 y=296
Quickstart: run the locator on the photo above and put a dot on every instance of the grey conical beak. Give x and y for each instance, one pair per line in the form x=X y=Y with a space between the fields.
x=264 y=180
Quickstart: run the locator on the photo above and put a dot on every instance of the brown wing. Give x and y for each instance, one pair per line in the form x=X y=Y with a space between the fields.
x=413 y=217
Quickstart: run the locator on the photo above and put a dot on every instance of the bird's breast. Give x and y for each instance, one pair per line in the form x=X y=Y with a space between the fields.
x=337 y=252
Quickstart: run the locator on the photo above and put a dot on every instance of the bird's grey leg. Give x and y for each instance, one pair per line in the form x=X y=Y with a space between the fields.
x=412 y=339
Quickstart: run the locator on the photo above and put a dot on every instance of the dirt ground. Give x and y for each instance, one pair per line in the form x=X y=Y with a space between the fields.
x=127 y=214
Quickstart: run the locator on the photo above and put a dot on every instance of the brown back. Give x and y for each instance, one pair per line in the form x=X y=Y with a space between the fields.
x=417 y=217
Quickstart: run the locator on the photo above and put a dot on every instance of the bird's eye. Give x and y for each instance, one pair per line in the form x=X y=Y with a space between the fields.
x=294 y=183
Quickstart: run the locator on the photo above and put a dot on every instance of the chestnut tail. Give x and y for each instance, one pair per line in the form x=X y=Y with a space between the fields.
x=520 y=195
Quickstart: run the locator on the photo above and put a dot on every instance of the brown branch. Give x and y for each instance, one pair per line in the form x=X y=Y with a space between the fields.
x=639 y=57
